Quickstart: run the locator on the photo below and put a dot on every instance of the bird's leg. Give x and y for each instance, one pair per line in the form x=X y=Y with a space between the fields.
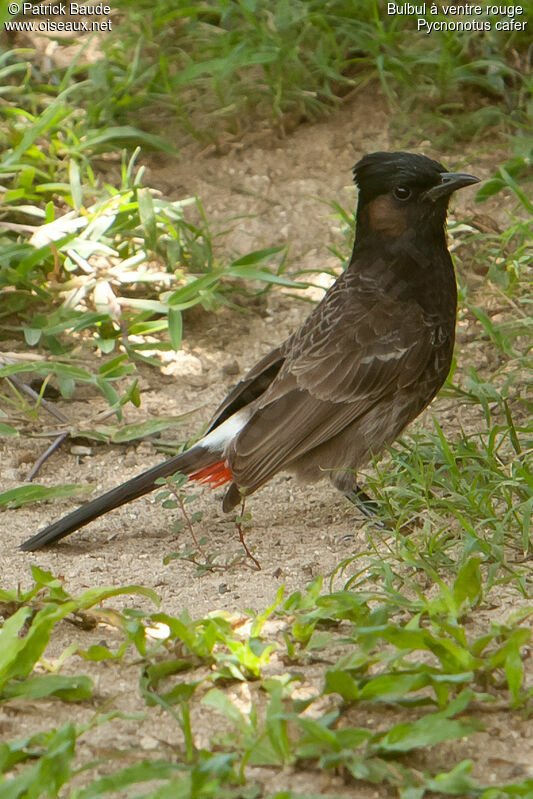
x=368 y=507
x=361 y=500
x=239 y=520
x=345 y=480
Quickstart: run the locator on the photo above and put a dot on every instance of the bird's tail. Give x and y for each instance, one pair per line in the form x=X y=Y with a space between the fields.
x=198 y=462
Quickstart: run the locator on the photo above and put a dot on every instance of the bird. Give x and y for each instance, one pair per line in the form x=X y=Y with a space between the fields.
x=368 y=359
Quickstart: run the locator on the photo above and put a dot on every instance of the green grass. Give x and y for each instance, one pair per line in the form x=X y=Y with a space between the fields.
x=229 y=65
x=368 y=639
x=87 y=263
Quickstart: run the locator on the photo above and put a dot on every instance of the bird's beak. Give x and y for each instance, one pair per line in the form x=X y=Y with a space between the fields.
x=450 y=182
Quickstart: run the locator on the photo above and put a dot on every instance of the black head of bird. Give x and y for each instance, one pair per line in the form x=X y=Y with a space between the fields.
x=404 y=191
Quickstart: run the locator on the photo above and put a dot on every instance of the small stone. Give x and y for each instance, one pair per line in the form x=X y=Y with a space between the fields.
x=147 y=742
x=25 y=456
x=231 y=368
x=79 y=449
x=130 y=458
x=198 y=381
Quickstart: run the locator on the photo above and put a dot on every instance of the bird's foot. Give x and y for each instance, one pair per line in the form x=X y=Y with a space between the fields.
x=368 y=506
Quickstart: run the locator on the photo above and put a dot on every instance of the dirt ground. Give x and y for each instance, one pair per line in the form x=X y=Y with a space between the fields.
x=267 y=193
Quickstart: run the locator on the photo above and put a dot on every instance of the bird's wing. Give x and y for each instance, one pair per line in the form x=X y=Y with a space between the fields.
x=253 y=384
x=356 y=348
x=361 y=350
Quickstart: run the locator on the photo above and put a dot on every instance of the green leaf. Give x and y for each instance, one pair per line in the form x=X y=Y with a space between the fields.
x=147 y=215
x=126 y=133
x=97 y=653
x=393 y=686
x=49 y=773
x=144 y=771
x=180 y=693
x=51 y=117
x=116 y=368
x=45 y=579
x=19 y=655
x=46 y=368
x=16 y=497
x=69 y=689
x=257 y=256
x=32 y=335
x=218 y=700
x=340 y=682
x=192 y=289
x=75 y=184
x=66 y=385
x=249 y=273
x=7 y=430
x=467 y=585
x=514 y=668
x=427 y=731
x=10 y=642
x=175 y=327
x=456 y=782
x=131 y=432
x=156 y=672
x=109 y=392
x=96 y=595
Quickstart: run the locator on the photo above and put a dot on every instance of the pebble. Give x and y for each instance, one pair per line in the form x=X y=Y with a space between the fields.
x=78 y=449
x=231 y=368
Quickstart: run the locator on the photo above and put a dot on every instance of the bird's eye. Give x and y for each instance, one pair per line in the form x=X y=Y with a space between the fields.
x=402 y=192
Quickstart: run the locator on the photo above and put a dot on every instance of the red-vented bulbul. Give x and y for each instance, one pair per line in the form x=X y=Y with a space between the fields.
x=367 y=360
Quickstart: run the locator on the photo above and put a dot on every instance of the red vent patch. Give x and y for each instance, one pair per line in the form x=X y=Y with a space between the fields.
x=216 y=475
